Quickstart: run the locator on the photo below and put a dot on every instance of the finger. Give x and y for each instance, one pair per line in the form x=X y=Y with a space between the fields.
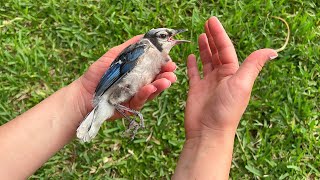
x=253 y=64
x=226 y=51
x=161 y=85
x=214 y=51
x=140 y=98
x=192 y=69
x=168 y=75
x=205 y=54
x=169 y=67
x=105 y=60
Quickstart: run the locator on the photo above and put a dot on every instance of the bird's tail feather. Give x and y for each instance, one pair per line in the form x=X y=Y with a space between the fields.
x=90 y=126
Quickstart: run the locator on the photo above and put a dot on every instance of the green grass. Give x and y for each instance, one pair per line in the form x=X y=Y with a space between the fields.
x=47 y=45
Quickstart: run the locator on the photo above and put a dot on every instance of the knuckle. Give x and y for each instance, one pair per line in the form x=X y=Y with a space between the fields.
x=259 y=65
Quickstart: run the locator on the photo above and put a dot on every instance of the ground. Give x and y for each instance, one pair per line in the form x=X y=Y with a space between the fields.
x=47 y=45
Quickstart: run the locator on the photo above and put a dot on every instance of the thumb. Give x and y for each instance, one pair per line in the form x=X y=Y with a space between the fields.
x=98 y=68
x=250 y=68
x=116 y=50
x=105 y=60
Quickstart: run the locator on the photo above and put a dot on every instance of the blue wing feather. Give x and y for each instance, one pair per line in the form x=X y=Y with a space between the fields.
x=121 y=66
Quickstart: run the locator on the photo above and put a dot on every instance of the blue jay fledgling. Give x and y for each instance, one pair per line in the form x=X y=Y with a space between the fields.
x=136 y=66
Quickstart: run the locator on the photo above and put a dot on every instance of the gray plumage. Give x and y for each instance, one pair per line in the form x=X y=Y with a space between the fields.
x=136 y=66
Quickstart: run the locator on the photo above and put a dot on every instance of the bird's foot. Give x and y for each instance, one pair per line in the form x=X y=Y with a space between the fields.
x=133 y=128
x=133 y=125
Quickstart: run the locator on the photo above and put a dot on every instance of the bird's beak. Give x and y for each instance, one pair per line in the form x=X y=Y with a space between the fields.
x=179 y=41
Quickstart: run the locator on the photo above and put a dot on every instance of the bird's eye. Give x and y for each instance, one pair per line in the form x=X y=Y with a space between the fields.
x=163 y=36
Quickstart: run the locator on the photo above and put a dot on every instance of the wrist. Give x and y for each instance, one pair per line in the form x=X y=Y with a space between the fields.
x=205 y=132
x=210 y=139
x=79 y=97
x=206 y=156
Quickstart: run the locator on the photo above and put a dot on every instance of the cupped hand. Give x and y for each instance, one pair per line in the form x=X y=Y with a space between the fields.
x=90 y=79
x=217 y=101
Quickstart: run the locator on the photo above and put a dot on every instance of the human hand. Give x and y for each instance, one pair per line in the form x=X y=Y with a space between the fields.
x=89 y=80
x=217 y=101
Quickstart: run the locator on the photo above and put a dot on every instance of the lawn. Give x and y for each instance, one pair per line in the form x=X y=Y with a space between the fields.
x=47 y=45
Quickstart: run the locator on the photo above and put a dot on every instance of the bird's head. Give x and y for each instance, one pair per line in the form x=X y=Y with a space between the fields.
x=162 y=38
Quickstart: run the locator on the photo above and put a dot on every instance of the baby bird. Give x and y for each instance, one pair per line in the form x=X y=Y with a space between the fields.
x=136 y=66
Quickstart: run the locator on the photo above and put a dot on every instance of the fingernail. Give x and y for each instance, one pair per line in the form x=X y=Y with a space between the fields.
x=176 y=78
x=154 y=89
x=169 y=83
x=273 y=56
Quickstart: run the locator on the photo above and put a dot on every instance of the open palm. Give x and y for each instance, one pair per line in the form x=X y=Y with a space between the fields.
x=217 y=101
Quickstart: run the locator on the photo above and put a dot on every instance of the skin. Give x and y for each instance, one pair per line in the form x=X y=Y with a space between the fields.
x=30 y=139
x=215 y=105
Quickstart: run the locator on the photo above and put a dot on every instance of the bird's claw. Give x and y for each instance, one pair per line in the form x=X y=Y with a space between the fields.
x=133 y=125
x=133 y=128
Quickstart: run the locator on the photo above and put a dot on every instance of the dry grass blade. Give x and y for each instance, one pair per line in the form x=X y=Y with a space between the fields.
x=288 y=33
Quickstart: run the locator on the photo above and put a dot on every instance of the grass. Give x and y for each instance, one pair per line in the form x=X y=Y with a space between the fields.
x=47 y=45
